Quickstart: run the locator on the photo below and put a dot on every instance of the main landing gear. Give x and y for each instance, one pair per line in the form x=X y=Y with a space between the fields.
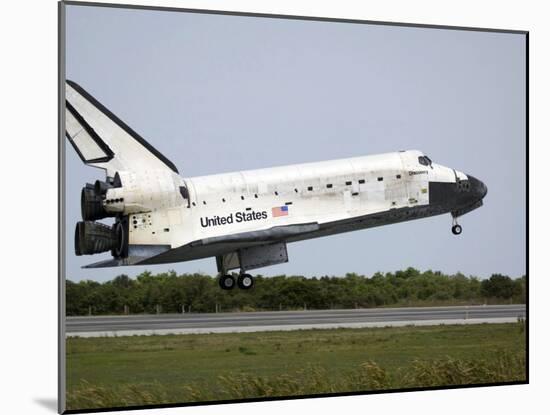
x=227 y=282
x=456 y=228
x=244 y=281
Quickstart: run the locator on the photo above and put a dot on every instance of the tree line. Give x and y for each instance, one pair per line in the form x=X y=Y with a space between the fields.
x=172 y=293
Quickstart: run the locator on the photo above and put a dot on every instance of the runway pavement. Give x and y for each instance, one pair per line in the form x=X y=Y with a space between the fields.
x=189 y=323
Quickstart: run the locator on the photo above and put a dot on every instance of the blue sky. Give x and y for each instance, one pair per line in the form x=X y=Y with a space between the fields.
x=224 y=93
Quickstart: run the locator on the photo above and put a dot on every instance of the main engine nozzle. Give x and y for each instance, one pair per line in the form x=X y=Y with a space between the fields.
x=94 y=238
x=91 y=201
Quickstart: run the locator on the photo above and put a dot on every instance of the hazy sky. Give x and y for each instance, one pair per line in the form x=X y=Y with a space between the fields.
x=223 y=93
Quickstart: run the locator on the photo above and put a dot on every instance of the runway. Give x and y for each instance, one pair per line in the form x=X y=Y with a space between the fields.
x=194 y=323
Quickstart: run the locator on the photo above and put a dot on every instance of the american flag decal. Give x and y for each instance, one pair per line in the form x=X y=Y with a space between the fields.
x=279 y=211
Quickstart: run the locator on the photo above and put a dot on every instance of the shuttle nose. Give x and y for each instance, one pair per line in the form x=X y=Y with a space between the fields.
x=478 y=188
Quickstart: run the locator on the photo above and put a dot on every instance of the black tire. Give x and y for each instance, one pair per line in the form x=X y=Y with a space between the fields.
x=245 y=281
x=456 y=229
x=227 y=282
x=121 y=240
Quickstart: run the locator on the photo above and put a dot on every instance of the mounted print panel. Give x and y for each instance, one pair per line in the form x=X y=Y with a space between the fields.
x=265 y=207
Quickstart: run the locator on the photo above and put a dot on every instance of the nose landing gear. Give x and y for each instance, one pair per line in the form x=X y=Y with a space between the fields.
x=456 y=229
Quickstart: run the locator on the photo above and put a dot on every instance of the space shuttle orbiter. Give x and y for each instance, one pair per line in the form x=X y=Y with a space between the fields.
x=244 y=219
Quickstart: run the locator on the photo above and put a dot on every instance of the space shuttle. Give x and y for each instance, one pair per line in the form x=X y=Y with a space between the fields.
x=243 y=219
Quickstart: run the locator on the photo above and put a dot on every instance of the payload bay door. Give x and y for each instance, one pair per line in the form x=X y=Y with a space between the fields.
x=416 y=179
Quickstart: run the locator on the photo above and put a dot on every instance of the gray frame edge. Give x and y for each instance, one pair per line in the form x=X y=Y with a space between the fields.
x=61 y=242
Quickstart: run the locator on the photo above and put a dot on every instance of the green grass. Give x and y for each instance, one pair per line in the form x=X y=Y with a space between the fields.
x=141 y=370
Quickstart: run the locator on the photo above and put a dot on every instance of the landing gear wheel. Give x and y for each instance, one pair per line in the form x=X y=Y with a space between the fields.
x=456 y=229
x=227 y=282
x=245 y=281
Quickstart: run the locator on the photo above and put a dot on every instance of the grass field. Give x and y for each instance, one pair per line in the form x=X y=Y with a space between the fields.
x=141 y=370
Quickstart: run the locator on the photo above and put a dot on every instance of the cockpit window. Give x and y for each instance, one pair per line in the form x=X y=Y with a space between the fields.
x=424 y=160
